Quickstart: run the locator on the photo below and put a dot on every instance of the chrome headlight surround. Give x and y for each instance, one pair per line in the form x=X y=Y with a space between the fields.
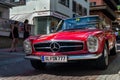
x=27 y=46
x=92 y=44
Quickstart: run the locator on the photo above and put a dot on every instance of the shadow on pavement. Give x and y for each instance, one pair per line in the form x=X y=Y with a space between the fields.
x=82 y=68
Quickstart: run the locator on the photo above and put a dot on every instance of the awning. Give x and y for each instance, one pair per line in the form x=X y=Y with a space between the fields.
x=6 y=4
x=22 y=17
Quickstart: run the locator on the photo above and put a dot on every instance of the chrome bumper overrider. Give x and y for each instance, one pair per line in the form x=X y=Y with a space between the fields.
x=73 y=57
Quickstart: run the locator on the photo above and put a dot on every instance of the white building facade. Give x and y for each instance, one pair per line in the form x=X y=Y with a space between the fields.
x=45 y=14
x=4 y=17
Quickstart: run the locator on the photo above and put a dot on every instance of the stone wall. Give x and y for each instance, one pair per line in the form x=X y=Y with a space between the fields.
x=5 y=42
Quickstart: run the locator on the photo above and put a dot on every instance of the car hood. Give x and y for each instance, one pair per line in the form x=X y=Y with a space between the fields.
x=68 y=35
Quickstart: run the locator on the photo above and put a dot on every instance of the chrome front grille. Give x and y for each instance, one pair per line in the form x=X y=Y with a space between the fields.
x=58 y=46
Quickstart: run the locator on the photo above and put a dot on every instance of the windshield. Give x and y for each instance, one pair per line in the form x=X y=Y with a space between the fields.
x=78 y=23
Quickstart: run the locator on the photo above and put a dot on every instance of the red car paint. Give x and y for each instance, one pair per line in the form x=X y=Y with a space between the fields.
x=103 y=35
x=80 y=35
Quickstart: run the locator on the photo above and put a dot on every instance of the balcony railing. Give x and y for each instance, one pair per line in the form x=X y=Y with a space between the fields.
x=118 y=16
x=106 y=9
x=111 y=3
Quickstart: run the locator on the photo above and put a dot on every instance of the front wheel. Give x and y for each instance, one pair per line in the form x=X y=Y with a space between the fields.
x=37 y=64
x=113 y=51
x=102 y=62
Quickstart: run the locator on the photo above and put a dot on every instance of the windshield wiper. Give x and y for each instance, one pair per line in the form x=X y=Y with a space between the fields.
x=73 y=29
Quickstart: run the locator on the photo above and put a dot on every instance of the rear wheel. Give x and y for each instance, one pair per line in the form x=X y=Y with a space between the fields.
x=102 y=62
x=38 y=65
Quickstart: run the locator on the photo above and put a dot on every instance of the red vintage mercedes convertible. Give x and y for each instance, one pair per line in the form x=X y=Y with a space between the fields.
x=82 y=38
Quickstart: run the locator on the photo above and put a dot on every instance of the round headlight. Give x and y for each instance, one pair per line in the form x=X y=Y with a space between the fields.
x=92 y=43
x=27 y=47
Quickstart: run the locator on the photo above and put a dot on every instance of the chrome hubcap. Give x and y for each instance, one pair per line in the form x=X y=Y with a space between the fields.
x=106 y=56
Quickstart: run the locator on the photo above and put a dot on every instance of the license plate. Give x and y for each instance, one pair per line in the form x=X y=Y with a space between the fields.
x=54 y=59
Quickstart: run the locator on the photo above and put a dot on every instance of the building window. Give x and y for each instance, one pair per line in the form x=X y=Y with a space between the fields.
x=11 y=1
x=45 y=25
x=92 y=3
x=0 y=14
x=80 y=9
x=84 y=11
x=19 y=2
x=64 y=2
x=74 y=6
x=16 y=0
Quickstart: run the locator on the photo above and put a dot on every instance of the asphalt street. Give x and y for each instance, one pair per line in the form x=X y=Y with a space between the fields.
x=13 y=66
x=7 y=57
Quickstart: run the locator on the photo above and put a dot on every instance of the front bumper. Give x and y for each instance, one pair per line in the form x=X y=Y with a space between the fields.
x=71 y=57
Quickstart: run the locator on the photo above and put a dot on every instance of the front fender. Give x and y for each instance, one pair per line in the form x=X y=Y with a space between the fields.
x=102 y=40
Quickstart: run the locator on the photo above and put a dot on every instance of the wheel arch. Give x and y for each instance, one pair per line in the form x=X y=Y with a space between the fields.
x=102 y=43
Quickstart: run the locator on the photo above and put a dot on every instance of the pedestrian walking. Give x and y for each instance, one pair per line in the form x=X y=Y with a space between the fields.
x=14 y=35
x=26 y=29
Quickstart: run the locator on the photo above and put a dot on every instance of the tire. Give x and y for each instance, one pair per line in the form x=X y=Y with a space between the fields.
x=113 y=50
x=102 y=62
x=38 y=65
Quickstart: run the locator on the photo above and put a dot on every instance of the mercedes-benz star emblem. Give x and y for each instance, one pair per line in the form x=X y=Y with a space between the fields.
x=55 y=47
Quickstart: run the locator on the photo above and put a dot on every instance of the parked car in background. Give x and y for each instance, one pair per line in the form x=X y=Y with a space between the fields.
x=82 y=38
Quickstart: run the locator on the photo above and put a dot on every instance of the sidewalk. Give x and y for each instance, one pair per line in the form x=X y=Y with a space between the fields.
x=19 y=49
x=7 y=57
